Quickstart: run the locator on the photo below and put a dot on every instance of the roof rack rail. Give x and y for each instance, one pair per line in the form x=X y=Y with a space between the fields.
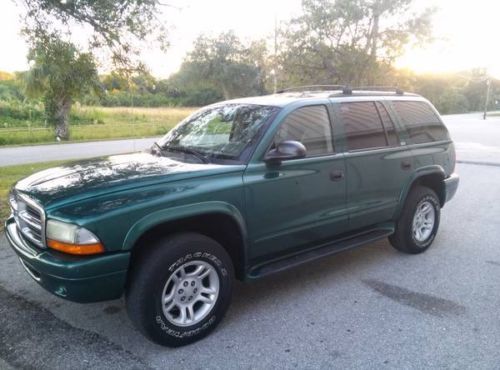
x=345 y=89
x=393 y=89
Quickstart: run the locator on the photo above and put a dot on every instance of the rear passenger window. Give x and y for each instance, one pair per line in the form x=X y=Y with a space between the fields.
x=362 y=126
x=422 y=124
x=309 y=125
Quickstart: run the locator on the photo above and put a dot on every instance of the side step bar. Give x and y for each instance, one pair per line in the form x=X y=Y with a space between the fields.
x=309 y=255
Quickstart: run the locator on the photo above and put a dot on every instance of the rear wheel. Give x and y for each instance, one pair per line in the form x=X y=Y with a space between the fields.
x=418 y=222
x=179 y=291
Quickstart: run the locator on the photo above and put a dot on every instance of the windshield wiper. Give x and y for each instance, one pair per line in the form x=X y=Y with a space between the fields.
x=156 y=149
x=182 y=149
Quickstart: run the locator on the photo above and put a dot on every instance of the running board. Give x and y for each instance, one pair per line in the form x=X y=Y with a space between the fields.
x=309 y=255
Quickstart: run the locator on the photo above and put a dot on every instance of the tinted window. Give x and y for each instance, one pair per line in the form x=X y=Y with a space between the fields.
x=392 y=136
x=310 y=126
x=421 y=122
x=362 y=126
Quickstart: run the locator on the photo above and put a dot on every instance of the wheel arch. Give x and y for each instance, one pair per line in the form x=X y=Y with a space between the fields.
x=218 y=220
x=431 y=177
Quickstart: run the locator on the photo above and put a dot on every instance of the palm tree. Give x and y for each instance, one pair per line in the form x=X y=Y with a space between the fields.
x=59 y=73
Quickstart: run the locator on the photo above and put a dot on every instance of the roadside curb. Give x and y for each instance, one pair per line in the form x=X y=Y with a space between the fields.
x=77 y=142
x=480 y=163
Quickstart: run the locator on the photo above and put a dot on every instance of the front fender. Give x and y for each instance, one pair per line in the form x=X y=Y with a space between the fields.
x=181 y=212
x=419 y=173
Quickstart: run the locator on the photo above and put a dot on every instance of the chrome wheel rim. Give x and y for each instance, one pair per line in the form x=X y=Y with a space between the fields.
x=423 y=221
x=190 y=293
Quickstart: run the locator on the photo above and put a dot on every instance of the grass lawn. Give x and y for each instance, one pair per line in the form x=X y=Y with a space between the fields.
x=108 y=123
x=11 y=174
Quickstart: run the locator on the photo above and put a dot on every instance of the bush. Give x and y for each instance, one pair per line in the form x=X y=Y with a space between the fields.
x=18 y=114
x=15 y=113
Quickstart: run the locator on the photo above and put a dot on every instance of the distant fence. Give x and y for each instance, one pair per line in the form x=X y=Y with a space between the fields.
x=26 y=135
x=76 y=127
x=26 y=129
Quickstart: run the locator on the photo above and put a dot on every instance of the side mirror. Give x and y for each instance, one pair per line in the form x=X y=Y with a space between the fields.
x=288 y=149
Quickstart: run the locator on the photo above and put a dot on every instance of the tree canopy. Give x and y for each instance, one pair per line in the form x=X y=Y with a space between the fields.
x=116 y=25
x=225 y=64
x=348 y=41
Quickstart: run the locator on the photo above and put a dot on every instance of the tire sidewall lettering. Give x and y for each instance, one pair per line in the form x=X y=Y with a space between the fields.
x=183 y=334
x=199 y=255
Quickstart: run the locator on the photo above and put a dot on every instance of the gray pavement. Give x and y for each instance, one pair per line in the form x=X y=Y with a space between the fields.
x=53 y=152
x=367 y=308
x=476 y=140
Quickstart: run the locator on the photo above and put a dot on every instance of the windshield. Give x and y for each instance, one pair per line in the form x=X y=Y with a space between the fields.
x=223 y=131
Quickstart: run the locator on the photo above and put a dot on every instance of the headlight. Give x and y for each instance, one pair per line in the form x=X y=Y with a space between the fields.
x=72 y=239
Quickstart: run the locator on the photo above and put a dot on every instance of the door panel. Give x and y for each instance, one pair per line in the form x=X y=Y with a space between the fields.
x=294 y=206
x=377 y=165
x=375 y=180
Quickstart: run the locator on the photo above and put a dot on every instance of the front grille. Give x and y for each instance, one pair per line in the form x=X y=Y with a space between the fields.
x=30 y=218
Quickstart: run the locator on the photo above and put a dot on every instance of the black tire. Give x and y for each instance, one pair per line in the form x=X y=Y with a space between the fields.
x=403 y=238
x=150 y=273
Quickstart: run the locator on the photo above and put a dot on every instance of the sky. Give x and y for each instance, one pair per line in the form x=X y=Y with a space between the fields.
x=467 y=33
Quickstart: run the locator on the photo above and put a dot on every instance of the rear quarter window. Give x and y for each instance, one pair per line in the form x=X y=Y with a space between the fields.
x=421 y=122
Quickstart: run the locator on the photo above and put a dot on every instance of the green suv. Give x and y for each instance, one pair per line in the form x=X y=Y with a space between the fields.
x=240 y=189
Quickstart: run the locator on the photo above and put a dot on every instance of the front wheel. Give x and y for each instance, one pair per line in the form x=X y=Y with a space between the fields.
x=179 y=291
x=418 y=223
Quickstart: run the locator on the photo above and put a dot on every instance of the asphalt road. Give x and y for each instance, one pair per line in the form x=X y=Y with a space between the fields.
x=53 y=152
x=366 y=308
x=476 y=139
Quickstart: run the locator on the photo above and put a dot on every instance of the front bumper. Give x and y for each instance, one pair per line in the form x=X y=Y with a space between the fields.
x=88 y=279
x=451 y=186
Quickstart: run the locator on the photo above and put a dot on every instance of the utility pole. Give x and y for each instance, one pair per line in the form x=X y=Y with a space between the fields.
x=487 y=99
x=273 y=71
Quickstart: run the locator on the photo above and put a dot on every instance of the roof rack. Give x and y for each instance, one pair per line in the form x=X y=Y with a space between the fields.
x=346 y=89
x=313 y=88
x=393 y=89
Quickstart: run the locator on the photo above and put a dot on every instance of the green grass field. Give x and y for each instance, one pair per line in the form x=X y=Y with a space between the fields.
x=10 y=175
x=101 y=123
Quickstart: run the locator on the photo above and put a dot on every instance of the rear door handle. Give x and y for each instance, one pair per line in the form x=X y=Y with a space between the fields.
x=405 y=165
x=336 y=175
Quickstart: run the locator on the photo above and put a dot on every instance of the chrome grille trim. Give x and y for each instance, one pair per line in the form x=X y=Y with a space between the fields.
x=12 y=202
x=31 y=236
x=33 y=222
x=29 y=217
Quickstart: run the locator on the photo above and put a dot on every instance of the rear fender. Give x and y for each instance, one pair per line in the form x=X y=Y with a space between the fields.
x=416 y=176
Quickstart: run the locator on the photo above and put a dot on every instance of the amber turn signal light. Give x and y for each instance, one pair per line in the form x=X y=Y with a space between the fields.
x=78 y=249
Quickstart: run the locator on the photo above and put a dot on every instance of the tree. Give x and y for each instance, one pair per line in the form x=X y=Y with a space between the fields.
x=6 y=76
x=348 y=41
x=119 y=26
x=60 y=71
x=226 y=64
x=60 y=74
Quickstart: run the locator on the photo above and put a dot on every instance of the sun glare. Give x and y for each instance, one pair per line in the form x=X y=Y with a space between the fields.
x=464 y=39
x=464 y=33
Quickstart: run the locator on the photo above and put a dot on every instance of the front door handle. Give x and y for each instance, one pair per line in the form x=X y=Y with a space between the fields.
x=336 y=175
x=405 y=165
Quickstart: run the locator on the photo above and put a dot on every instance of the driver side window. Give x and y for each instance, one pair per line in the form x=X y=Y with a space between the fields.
x=310 y=126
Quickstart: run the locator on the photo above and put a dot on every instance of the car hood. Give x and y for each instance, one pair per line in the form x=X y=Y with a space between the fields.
x=88 y=178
